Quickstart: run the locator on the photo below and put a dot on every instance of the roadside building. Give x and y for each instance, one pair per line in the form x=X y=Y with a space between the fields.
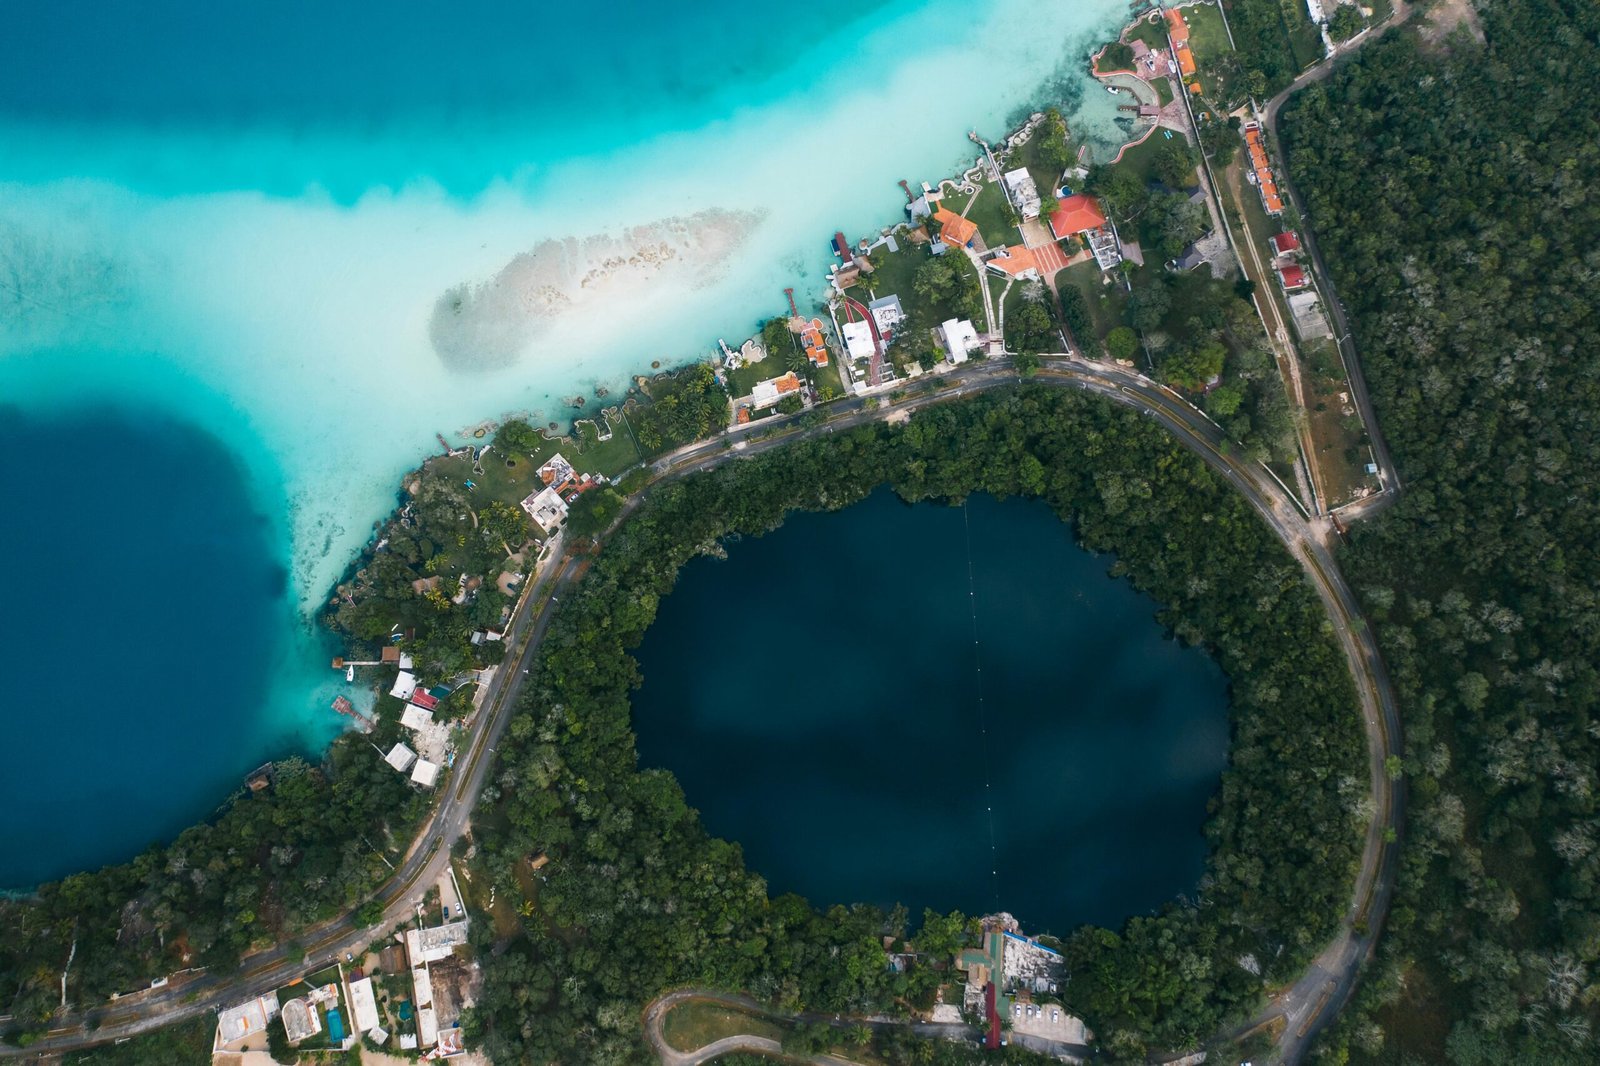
x=1293 y=276
x=245 y=1020
x=547 y=508
x=400 y=757
x=425 y=773
x=422 y=698
x=1023 y=192
x=768 y=393
x=959 y=339
x=431 y=945
x=414 y=717
x=1285 y=243
x=1261 y=169
x=300 y=1020
x=363 y=1005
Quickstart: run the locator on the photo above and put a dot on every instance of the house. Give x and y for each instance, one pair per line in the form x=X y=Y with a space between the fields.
x=404 y=685
x=1078 y=213
x=424 y=699
x=400 y=757
x=300 y=1020
x=363 y=1005
x=245 y=1020
x=768 y=393
x=389 y=654
x=886 y=312
x=813 y=344
x=425 y=773
x=1191 y=258
x=955 y=229
x=427 y=1028
x=547 y=507
x=858 y=339
x=451 y=1043
x=1292 y=276
x=1023 y=192
x=414 y=717
x=1284 y=243
x=433 y=944
x=959 y=339
x=1178 y=31
x=1261 y=169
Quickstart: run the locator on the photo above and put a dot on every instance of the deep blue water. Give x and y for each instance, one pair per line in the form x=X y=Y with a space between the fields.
x=141 y=622
x=818 y=692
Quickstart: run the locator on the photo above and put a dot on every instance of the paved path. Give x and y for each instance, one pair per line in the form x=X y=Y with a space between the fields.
x=1304 y=1004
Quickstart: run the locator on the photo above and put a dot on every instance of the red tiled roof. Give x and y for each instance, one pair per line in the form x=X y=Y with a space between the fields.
x=956 y=230
x=1285 y=242
x=787 y=383
x=1075 y=214
x=426 y=700
x=1293 y=277
x=1176 y=27
x=1185 y=60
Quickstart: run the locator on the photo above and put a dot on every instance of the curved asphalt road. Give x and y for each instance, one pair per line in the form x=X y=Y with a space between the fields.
x=1308 y=1005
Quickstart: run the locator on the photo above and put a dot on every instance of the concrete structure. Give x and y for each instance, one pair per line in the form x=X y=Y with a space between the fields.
x=363 y=1006
x=768 y=393
x=959 y=339
x=858 y=340
x=414 y=717
x=245 y=1020
x=431 y=945
x=400 y=757
x=1023 y=192
x=451 y=1043
x=421 y=986
x=300 y=1020
x=547 y=508
x=427 y=1028
x=425 y=773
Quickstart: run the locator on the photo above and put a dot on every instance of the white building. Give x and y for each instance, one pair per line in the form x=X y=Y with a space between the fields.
x=1024 y=193
x=427 y=1028
x=439 y=942
x=768 y=393
x=400 y=757
x=858 y=339
x=959 y=339
x=245 y=1020
x=414 y=717
x=425 y=773
x=421 y=986
x=887 y=313
x=547 y=508
x=363 y=1005
x=404 y=686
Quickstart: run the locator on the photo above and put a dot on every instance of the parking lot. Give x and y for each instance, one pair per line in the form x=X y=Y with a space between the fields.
x=1047 y=1021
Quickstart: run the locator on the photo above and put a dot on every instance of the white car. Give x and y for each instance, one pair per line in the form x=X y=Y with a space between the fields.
x=1055 y=1015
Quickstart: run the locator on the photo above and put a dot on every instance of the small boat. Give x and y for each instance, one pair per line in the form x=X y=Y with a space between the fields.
x=349 y=673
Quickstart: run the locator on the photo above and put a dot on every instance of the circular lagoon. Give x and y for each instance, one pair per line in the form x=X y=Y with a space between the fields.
x=950 y=707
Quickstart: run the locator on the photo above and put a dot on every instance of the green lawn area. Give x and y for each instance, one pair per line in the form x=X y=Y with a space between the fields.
x=1104 y=302
x=1163 y=90
x=744 y=379
x=894 y=276
x=609 y=457
x=827 y=377
x=693 y=1025
x=1208 y=39
x=1152 y=31
x=990 y=212
x=1305 y=40
x=1140 y=160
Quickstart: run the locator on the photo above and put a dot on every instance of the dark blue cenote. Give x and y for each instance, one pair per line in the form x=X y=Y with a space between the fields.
x=952 y=707
x=147 y=596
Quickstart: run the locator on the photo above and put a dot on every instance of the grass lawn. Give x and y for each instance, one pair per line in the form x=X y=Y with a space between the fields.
x=608 y=457
x=990 y=211
x=693 y=1025
x=894 y=276
x=1152 y=31
x=741 y=381
x=1140 y=160
x=1305 y=40
x=1104 y=302
x=1163 y=90
x=1208 y=39
x=827 y=377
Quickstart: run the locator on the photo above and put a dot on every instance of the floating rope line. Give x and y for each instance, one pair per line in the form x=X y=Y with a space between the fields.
x=983 y=716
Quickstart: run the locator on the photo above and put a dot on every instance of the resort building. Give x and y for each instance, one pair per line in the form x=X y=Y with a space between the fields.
x=421 y=697
x=959 y=339
x=547 y=508
x=1178 y=31
x=768 y=393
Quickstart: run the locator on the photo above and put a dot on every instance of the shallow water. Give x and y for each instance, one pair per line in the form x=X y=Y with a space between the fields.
x=822 y=698
x=245 y=217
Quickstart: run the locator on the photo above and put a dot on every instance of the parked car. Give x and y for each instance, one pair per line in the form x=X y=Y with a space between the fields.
x=1016 y=1010
x=1055 y=1014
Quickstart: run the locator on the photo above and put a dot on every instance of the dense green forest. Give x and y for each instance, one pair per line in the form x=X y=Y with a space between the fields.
x=636 y=898
x=1456 y=190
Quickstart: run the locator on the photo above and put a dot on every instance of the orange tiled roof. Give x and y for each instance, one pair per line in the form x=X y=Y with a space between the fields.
x=1185 y=59
x=1017 y=260
x=787 y=383
x=1178 y=28
x=1075 y=214
x=956 y=230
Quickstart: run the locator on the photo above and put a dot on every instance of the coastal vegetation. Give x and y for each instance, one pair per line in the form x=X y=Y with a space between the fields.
x=637 y=898
x=1455 y=198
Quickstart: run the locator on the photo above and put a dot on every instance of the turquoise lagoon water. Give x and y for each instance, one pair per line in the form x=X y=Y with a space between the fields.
x=240 y=221
x=838 y=730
